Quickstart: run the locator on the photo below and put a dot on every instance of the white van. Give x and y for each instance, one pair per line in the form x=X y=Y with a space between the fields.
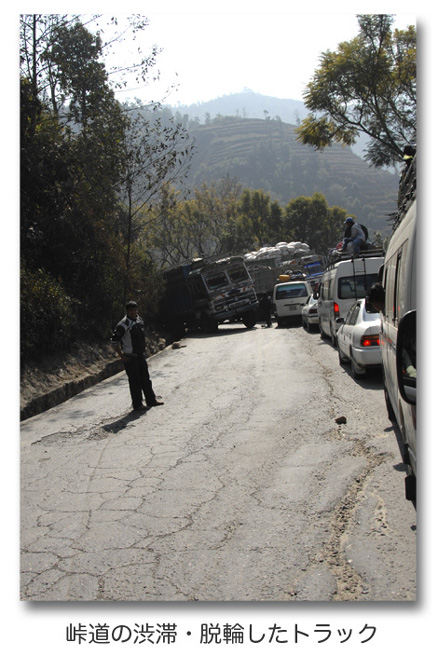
x=289 y=299
x=342 y=283
x=399 y=339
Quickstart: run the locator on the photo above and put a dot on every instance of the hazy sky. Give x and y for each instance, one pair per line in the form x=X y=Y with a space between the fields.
x=265 y=47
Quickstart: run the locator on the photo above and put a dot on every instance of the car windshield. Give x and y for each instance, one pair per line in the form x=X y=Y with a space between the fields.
x=291 y=291
x=355 y=286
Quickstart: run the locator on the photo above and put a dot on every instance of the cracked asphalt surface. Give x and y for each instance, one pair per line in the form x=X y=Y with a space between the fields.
x=242 y=487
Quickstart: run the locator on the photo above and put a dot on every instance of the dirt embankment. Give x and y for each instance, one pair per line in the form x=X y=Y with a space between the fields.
x=59 y=377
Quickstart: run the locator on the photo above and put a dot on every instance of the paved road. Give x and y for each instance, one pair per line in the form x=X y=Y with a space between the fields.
x=241 y=487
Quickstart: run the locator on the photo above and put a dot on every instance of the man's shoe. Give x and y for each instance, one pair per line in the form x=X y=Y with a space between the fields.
x=140 y=408
x=155 y=403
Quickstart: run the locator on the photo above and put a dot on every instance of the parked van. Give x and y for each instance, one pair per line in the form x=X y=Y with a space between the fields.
x=289 y=299
x=342 y=283
x=399 y=339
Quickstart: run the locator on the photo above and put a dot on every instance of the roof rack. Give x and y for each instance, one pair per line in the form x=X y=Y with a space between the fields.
x=345 y=257
x=407 y=192
x=199 y=261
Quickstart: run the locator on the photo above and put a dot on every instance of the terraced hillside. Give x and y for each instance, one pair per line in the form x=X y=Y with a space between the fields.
x=264 y=154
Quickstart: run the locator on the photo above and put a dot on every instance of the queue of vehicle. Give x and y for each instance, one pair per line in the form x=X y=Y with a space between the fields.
x=369 y=336
x=384 y=335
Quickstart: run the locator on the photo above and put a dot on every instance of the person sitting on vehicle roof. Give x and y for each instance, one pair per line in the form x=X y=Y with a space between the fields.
x=353 y=235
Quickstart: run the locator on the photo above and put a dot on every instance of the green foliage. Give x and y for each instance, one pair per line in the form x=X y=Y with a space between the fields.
x=367 y=86
x=312 y=221
x=224 y=219
x=48 y=315
x=81 y=245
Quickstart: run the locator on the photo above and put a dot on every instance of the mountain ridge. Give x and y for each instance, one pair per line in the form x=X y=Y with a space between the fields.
x=265 y=154
x=250 y=104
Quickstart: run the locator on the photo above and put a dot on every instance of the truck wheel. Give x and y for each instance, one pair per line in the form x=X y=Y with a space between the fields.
x=250 y=319
x=208 y=325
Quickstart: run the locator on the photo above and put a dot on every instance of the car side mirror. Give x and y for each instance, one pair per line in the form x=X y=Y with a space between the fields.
x=406 y=357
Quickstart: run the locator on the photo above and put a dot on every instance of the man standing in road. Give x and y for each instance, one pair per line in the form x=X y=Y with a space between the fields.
x=129 y=342
x=265 y=306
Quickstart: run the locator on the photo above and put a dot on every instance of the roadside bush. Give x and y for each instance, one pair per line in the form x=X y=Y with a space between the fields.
x=48 y=315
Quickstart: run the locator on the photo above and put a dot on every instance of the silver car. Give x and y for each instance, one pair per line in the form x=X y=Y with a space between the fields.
x=358 y=338
x=310 y=313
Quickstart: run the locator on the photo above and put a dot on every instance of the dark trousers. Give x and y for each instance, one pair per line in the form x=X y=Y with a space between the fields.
x=266 y=316
x=139 y=381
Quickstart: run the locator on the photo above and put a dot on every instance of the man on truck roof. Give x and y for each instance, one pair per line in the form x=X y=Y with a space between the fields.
x=353 y=235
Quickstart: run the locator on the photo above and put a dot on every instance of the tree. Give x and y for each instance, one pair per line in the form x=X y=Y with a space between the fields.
x=156 y=153
x=310 y=220
x=202 y=226
x=255 y=216
x=88 y=173
x=367 y=86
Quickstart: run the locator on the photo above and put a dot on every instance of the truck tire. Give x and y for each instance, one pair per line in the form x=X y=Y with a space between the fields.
x=250 y=319
x=208 y=325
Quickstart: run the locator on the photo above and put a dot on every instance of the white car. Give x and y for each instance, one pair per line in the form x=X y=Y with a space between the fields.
x=310 y=313
x=358 y=338
x=289 y=299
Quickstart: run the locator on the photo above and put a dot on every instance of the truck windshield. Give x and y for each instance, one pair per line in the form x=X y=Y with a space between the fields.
x=238 y=275
x=314 y=267
x=355 y=286
x=216 y=280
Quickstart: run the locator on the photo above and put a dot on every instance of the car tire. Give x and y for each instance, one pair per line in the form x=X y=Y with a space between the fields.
x=342 y=358
x=358 y=372
x=411 y=488
x=389 y=408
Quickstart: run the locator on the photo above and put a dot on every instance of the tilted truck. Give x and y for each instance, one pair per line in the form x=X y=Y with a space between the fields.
x=205 y=292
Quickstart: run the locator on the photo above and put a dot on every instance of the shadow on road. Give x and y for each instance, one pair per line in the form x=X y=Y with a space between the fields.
x=224 y=329
x=121 y=423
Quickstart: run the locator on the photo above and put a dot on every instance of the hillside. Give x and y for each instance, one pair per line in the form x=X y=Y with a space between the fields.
x=264 y=154
x=249 y=104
